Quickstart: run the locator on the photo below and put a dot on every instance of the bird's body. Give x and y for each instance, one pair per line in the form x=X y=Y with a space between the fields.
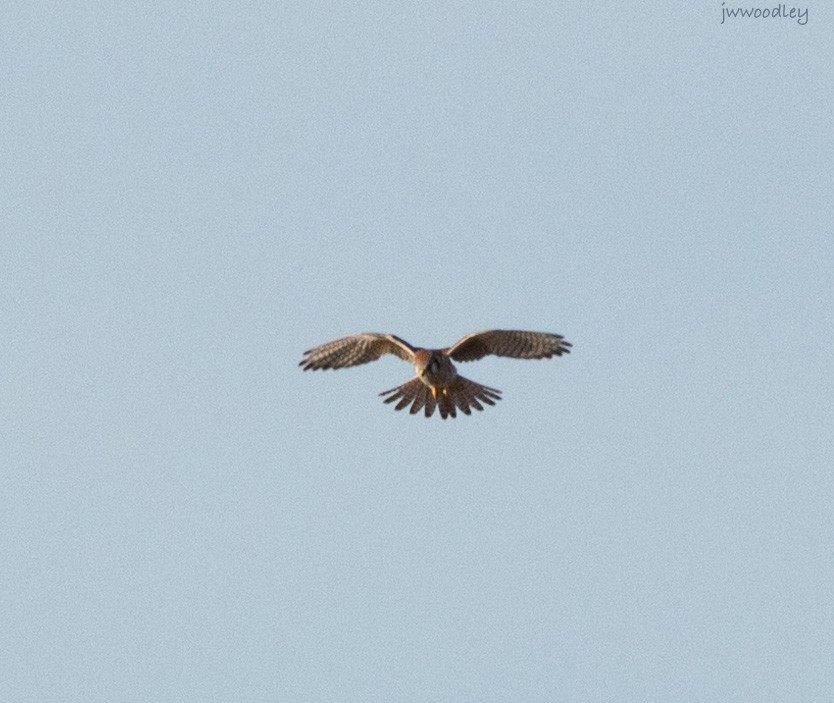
x=437 y=383
x=434 y=368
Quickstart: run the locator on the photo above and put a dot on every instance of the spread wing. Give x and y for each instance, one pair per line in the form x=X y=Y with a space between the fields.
x=513 y=343
x=355 y=350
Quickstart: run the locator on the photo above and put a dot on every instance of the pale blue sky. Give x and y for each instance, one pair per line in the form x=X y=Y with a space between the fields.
x=190 y=196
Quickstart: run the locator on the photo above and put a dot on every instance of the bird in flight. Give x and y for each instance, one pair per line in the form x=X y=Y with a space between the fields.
x=437 y=383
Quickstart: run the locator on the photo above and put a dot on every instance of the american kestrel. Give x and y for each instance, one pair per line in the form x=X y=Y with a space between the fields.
x=437 y=383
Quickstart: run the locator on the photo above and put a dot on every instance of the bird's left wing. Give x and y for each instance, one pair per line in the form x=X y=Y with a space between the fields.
x=354 y=350
x=516 y=344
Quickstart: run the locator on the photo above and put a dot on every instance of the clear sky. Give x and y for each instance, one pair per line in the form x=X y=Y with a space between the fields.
x=191 y=195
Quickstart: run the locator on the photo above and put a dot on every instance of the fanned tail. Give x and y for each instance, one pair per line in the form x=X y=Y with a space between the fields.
x=415 y=392
x=466 y=394
x=461 y=393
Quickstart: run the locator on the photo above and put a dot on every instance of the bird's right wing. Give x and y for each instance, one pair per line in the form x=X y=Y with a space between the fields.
x=354 y=350
x=516 y=344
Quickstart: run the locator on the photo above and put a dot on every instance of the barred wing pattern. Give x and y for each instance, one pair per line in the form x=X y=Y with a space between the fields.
x=355 y=350
x=515 y=344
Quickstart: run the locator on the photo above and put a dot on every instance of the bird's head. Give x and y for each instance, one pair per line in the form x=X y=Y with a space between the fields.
x=426 y=361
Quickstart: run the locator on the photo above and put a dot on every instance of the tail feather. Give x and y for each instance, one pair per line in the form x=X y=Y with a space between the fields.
x=421 y=399
x=446 y=404
x=414 y=392
x=462 y=394
x=469 y=394
x=431 y=403
x=406 y=392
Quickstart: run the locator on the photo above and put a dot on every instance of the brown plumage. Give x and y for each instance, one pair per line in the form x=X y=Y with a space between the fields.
x=437 y=384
